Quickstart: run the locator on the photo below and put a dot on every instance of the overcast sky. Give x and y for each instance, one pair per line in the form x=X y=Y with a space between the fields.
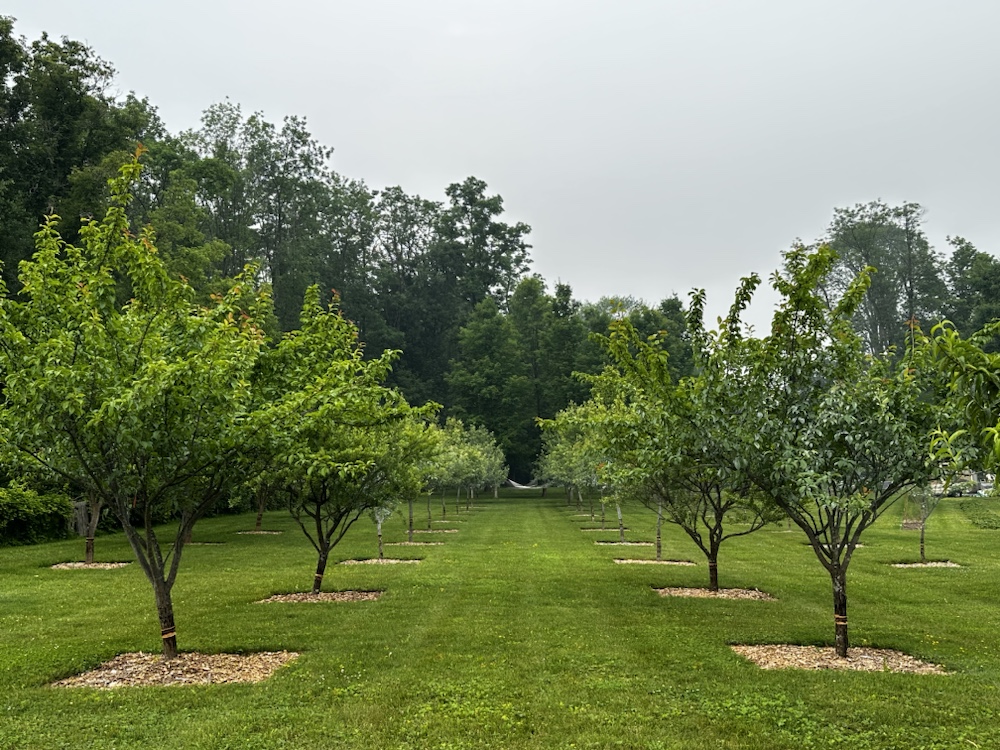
x=652 y=146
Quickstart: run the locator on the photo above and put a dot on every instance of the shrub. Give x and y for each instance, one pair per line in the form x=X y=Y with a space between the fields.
x=27 y=517
x=980 y=515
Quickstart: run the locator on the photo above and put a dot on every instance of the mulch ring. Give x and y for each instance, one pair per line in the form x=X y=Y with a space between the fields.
x=825 y=657
x=380 y=561
x=414 y=544
x=88 y=566
x=930 y=564
x=141 y=670
x=260 y=533
x=597 y=528
x=453 y=520
x=324 y=596
x=435 y=531
x=628 y=544
x=204 y=544
x=622 y=561
x=720 y=594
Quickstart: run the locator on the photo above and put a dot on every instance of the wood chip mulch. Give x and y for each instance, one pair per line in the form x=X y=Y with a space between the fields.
x=622 y=561
x=414 y=544
x=610 y=528
x=435 y=531
x=931 y=564
x=628 y=544
x=783 y=656
x=260 y=533
x=88 y=566
x=910 y=525
x=380 y=561
x=204 y=544
x=141 y=670
x=720 y=594
x=324 y=596
x=453 y=520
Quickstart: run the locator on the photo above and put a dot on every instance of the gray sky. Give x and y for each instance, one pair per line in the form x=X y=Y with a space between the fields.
x=652 y=146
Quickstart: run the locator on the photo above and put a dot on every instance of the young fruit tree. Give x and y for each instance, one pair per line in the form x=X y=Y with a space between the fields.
x=671 y=443
x=117 y=385
x=571 y=455
x=833 y=436
x=350 y=445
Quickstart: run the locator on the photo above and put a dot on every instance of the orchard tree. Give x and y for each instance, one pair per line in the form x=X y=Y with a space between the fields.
x=142 y=406
x=833 y=436
x=671 y=443
x=348 y=445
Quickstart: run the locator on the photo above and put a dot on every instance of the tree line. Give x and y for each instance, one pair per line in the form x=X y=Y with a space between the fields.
x=446 y=282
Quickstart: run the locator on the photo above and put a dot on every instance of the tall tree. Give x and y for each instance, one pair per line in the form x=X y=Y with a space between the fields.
x=906 y=284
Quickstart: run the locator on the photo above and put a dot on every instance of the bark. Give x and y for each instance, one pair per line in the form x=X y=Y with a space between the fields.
x=659 y=530
x=621 y=524
x=602 y=514
x=320 y=570
x=429 y=518
x=839 y=578
x=93 y=516
x=381 y=554
x=409 y=535
x=591 y=509
x=713 y=573
x=923 y=557
x=458 y=501
x=496 y=492
x=444 y=506
x=165 y=611
x=261 y=500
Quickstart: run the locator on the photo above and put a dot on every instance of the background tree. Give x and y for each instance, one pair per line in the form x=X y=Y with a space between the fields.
x=907 y=283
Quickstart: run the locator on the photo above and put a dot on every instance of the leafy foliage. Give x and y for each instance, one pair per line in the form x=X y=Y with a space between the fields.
x=27 y=517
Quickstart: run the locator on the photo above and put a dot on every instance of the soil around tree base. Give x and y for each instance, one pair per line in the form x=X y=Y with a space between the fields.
x=414 y=544
x=142 y=670
x=719 y=594
x=323 y=597
x=89 y=566
x=928 y=564
x=622 y=561
x=380 y=561
x=786 y=656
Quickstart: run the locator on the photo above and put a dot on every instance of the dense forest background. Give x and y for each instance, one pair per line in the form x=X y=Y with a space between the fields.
x=447 y=281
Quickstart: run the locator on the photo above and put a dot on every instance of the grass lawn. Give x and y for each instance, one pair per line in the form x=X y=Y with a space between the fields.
x=518 y=632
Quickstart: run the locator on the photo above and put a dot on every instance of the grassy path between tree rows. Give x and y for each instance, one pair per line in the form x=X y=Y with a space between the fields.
x=518 y=632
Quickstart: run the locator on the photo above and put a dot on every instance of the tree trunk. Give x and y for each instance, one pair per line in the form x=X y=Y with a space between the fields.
x=165 y=611
x=458 y=501
x=923 y=557
x=591 y=509
x=320 y=570
x=713 y=573
x=496 y=491
x=444 y=506
x=429 y=518
x=381 y=554
x=602 y=513
x=839 y=578
x=261 y=500
x=409 y=534
x=659 y=530
x=93 y=516
x=621 y=524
